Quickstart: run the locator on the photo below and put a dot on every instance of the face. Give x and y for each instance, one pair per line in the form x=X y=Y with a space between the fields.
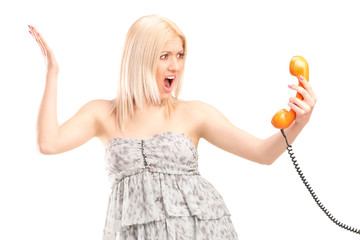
x=171 y=63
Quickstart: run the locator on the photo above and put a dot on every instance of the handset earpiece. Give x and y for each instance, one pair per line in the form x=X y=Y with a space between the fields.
x=298 y=67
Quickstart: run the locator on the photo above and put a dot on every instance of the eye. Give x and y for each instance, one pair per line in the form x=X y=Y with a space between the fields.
x=180 y=55
x=165 y=56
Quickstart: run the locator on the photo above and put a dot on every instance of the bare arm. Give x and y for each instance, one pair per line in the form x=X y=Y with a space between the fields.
x=47 y=122
x=216 y=129
x=54 y=139
x=51 y=137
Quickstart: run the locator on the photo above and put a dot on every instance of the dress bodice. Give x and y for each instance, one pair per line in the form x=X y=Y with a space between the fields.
x=166 y=152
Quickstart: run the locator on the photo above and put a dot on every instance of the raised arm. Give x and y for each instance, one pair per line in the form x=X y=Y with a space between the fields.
x=51 y=137
x=217 y=130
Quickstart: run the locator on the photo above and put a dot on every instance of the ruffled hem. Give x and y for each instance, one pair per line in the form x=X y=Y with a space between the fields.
x=152 y=196
x=178 y=228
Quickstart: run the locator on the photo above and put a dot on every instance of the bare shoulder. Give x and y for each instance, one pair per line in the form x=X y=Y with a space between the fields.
x=198 y=113
x=198 y=109
x=99 y=109
x=207 y=119
x=98 y=106
x=194 y=105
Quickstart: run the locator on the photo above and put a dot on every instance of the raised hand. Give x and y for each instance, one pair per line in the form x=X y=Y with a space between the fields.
x=49 y=57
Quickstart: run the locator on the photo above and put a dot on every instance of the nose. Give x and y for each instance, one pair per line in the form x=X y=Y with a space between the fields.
x=174 y=64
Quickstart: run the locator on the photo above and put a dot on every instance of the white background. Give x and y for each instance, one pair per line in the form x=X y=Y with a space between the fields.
x=238 y=59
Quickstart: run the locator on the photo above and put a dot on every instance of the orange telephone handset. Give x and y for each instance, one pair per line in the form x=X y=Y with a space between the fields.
x=283 y=118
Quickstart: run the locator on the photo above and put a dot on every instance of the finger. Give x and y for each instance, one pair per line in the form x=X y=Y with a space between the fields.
x=307 y=86
x=40 y=42
x=42 y=47
x=35 y=37
x=296 y=108
x=307 y=98
x=32 y=33
x=36 y=34
x=44 y=43
x=300 y=90
x=301 y=104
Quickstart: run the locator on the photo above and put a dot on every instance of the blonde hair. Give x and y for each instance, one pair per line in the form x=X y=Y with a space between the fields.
x=143 y=45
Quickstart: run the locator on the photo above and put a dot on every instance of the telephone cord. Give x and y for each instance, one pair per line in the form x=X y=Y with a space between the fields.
x=307 y=185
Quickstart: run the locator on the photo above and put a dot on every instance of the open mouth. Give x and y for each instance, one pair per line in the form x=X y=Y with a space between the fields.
x=168 y=83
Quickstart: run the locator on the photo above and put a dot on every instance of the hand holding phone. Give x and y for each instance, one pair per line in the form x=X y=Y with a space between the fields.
x=284 y=118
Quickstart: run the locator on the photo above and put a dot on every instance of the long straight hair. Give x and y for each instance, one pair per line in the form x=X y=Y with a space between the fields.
x=143 y=45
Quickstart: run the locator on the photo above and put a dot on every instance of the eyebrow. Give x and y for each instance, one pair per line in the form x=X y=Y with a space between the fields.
x=171 y=52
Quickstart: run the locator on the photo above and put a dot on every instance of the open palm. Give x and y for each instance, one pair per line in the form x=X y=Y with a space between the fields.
x=49 y=57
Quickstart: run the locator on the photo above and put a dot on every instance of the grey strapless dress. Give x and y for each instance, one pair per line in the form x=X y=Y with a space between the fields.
x=157 y=192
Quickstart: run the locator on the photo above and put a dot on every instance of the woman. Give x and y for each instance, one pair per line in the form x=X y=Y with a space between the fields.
x=150 y=138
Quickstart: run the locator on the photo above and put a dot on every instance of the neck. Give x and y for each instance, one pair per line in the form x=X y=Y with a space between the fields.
x=147 y=106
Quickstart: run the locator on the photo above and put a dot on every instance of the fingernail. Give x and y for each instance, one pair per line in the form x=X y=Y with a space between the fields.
x=290 y=85
x=301 y=77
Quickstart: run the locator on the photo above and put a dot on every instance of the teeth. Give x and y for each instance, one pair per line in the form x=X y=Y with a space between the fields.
x=170 y=78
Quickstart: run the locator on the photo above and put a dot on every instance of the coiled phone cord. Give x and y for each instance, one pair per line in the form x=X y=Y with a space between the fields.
x=307 y=185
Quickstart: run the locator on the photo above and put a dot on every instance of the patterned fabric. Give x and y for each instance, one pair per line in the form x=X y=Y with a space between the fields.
x=158 y=193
